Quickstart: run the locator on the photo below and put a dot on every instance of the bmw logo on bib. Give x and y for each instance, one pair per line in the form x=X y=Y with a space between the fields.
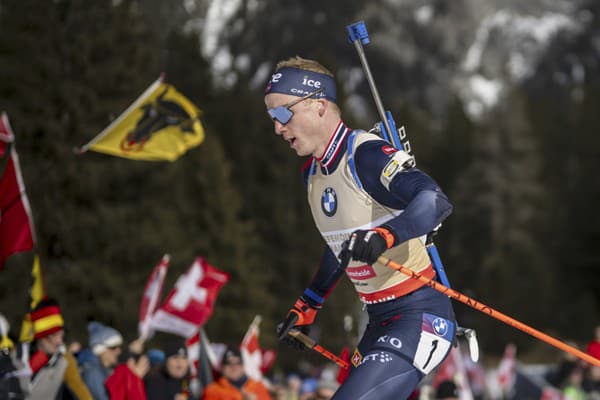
x=329 y=202
x=440 y=326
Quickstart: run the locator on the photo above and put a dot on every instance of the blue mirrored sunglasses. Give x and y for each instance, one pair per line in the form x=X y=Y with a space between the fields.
x=283 y=114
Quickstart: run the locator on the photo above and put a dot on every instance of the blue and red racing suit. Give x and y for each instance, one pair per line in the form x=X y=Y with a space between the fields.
x=362 y=182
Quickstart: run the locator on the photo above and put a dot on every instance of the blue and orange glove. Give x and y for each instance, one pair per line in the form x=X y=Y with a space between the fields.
x=368 y=245
x=300 y=317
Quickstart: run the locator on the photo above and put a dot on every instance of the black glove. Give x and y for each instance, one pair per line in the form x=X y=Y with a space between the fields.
x=290 y=340
x=367 y=245
x=300 y=317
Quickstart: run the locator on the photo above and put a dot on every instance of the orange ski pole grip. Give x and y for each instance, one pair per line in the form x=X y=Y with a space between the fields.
x=490 y=311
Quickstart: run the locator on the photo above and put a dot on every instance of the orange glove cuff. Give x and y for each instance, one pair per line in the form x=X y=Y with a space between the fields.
x=306 y=314
x=387 y=235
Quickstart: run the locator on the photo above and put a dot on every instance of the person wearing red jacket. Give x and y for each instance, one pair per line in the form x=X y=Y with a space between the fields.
x=593 y=347
x=126 y=381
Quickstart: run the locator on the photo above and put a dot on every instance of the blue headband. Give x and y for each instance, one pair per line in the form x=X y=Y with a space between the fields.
x=299 y=82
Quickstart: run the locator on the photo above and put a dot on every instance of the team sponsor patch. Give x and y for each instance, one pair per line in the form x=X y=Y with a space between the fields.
x=434 y=343
x=356 y=358
x=329 y=202
x=361 y=272
x=395 y=165
x=438 y=326
x=380 y=357
x=394 y=341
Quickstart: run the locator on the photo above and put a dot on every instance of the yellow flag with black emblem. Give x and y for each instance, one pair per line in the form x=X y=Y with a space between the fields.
x=161 y=125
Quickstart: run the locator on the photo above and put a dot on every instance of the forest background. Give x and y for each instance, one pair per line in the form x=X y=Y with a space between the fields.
x=522 y=176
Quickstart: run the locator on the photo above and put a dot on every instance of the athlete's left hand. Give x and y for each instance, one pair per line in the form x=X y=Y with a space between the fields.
x=368 y=245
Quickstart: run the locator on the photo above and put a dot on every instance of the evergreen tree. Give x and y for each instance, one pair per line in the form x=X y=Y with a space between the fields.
x=498 y=218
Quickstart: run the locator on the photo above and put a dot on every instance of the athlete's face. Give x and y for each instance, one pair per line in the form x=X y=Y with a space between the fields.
x=302 y=131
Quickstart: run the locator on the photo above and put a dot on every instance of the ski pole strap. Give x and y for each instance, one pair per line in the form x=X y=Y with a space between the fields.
x=312 y=344
x=490 y=311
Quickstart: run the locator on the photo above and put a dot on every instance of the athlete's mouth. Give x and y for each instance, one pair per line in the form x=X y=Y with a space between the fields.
x=290 y=140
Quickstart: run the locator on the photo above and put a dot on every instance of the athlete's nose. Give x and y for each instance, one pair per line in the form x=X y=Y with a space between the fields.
x=279 y=127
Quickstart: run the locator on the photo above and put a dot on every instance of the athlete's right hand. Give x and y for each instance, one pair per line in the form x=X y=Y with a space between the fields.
x=300 y=317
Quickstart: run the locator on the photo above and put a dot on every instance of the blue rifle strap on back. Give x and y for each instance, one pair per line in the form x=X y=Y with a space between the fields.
x=436 y=261
x=351 y=163
x=393 y=136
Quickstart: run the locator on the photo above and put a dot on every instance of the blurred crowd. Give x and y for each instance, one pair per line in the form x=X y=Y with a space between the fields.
x=108 y=369
x=105 y=368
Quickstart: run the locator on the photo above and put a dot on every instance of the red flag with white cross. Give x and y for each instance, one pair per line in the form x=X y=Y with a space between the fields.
x=190 y=303
x=256 y=360
x=151 y=296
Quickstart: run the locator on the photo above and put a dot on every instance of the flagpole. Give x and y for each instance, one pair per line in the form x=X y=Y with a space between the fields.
x=123 y=115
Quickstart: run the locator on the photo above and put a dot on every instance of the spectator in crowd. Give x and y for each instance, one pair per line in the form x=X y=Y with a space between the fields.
x=326 y=389
x=51 y=366
x=591 y=383
x=234 y=384
x=573 y=389
x=559 y=374
x=593 y=348
x=126 y=381
x=10 y=386
x=157 y=360
x=447 y=390
x=292 y=387
x=98 y=361
x=172 y=380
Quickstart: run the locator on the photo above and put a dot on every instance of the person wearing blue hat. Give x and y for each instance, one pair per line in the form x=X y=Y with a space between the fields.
x=98 y=361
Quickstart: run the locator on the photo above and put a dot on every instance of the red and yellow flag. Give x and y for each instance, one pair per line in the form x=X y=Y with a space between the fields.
x=161 y=125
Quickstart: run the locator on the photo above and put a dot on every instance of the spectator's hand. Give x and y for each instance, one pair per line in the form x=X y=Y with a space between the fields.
x=300 y=317
x=140 y=367
x=137 y=346
x=74 y=347
x=248 y=396
x=367 y=245
x=180 y=396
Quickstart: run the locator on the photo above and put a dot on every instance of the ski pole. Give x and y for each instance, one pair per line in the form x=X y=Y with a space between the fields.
x=312 y=344
x=490 y=311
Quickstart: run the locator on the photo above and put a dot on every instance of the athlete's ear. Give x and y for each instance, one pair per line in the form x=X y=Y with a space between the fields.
x=322 y=104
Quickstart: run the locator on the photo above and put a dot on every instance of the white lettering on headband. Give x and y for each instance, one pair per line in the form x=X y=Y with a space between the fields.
x=299 y=82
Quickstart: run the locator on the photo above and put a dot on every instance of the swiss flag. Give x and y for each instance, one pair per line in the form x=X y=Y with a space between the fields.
x=256 y=361
x=151 y=296
x=190 y=303
x=507 y=373
x=16 y=227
